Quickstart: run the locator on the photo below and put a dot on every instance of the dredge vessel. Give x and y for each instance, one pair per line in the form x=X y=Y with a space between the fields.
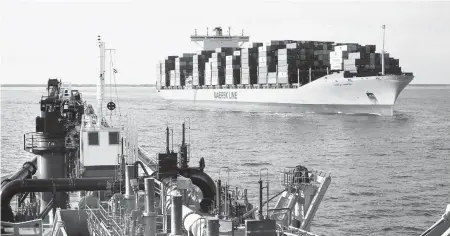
x=90 y=177
x=284 y=75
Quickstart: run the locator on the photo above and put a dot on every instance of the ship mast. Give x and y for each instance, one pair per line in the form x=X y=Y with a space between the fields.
x=101 y=81
x=382 y=52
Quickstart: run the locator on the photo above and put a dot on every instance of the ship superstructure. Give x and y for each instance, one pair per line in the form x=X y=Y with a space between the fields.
x=316 y=75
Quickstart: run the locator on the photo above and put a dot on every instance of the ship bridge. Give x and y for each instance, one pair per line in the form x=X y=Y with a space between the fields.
x=217 y=40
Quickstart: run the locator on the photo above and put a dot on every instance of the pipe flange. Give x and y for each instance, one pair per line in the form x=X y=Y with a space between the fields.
x=32 y=172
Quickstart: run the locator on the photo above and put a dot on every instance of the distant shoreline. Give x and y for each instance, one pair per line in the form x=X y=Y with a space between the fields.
x=152 y=85
x=77 y=85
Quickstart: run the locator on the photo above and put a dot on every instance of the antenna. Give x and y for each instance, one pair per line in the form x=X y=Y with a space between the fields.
x=242 y=32
x=167 y=140
x=183 y=134
x=195 y=32
x=382 y=51
x=172 y=140
x=229 y=30
x=207 y=31
x=101 y=80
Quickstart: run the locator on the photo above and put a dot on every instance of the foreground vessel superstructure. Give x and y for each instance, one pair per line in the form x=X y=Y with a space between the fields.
x=309 y=76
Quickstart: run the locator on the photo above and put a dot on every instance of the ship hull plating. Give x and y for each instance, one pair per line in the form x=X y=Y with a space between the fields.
x=329 y=94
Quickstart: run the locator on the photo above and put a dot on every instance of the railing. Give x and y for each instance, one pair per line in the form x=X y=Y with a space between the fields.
x=58 y=226
x=276 y=213
x=292 y=177
x=36 y=141
x=101 y=220
x=146 y=158
x=111 y=220
x=292 y=231
x=32 y=228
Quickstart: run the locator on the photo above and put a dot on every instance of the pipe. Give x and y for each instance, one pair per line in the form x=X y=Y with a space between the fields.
x=28 y=169
x=136 y=169
x=50 y=185
x=47 y=209
x=260 y=199
x=177 y=217
x=212 y=227
x=218 y=196
x=150 y=214
x=192 y=221
x=250 y=212
x=205 y=183
x=128 y=173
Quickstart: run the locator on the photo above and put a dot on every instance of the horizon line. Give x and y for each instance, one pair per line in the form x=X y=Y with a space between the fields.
x=147 y=85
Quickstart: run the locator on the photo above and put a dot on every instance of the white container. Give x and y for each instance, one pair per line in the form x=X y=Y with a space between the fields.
x=349 y=62
x=215 y=80
x=282 y=74
x=336 y=66
x=354 y=55
x=262 y=79
x=291 y=45
x=262 y=69
x=272 y=80
x=342 y=54
x=282 y=51
x=340 y=48
x=282 y=69
x=236 y=53
x=336 y=60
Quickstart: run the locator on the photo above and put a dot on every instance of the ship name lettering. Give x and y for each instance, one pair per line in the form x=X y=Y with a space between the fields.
x=225 y=95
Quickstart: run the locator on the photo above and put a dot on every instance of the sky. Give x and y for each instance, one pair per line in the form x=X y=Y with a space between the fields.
x=41 y=39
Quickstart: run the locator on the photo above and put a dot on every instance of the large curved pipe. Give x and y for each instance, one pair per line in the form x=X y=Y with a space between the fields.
x=192 y=222
x=205 y=183
x=136 y=169
x=49 y=185
x=28 y=169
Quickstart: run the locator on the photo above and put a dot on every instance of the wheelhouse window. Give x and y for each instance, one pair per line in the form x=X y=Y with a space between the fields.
x=113 y=138
x=93 y=138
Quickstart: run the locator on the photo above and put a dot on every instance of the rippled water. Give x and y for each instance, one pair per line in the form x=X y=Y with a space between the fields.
x=390 y=175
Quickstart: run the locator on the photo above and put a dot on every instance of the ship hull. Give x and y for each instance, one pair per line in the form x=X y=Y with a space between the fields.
x=329 y=94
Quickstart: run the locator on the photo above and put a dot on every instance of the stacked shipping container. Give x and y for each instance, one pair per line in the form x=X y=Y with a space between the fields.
x=267 y=64
x=363 y=60
x=159 y=75
x=198 y=73
x=166 y=66
x=183 y=69
x=233 y=68
x=278 y=62
x=217 y=64
x=249 y=63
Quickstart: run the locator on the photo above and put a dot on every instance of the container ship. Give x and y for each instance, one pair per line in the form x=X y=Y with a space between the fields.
x=284 y=75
